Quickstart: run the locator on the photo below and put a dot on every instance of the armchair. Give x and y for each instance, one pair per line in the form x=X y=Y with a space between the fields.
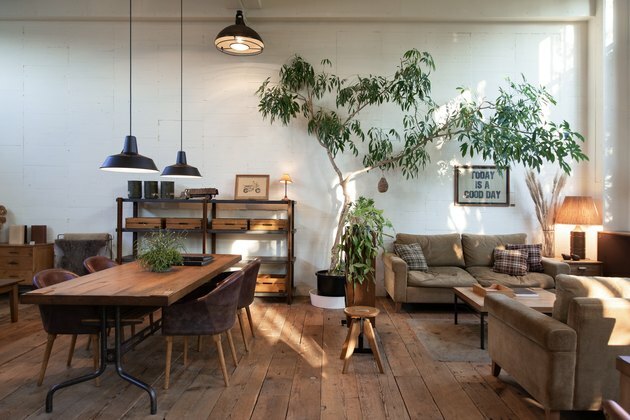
x=566 y=361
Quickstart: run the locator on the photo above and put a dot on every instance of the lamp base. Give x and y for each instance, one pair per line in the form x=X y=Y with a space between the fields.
x=578 y=243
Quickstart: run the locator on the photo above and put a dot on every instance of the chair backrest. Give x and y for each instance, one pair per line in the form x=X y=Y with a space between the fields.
x=63 y=319
x=98 y=263
x=250 y=274
x=221 y=303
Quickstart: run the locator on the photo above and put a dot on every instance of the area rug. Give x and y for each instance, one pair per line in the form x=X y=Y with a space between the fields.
x=447 y=342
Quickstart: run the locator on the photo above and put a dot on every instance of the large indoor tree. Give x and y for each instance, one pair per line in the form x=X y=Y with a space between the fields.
x=509 y=129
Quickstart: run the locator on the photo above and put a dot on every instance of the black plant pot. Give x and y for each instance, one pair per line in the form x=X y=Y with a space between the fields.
x=330 y=285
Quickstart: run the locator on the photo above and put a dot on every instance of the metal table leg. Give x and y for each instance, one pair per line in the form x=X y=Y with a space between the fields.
x=481 y=330
x=103 y=364
x=121 y=372
x=99 y=372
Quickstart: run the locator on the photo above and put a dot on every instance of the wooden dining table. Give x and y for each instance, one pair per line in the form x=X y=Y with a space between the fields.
x=125 y=286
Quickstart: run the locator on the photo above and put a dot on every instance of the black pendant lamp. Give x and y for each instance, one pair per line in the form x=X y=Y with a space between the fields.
x=129 y=160
x=181 y=169
x=239 y=39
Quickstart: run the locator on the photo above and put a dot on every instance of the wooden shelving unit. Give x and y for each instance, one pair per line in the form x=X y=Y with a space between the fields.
x=271 y=284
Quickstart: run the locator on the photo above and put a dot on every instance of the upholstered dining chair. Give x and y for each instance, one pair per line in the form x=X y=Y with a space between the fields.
x=98 y=263
x=246 y=297
x=211 y=314
x=64 y=319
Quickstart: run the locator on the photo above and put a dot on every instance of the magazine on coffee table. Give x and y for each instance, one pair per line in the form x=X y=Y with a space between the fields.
x=524 y=292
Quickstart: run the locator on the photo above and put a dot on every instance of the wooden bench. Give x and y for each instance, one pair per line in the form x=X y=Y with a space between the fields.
x=11 y=286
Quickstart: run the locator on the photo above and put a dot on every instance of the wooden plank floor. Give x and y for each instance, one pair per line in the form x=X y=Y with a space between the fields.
x=293 y=372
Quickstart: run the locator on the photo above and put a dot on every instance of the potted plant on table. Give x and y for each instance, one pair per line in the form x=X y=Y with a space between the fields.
x=511 y=129
x=160 y=251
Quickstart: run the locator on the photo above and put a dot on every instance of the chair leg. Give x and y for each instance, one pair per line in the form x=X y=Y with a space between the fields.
x=240 y=322
x=49 y=346
x=169 y=352
x=251 y=321
x=344 y=348
x=185 y=350
x=369 y=332
x=232 y=349
x=73 y=343
x=352 y=343
x=89 y=341
x=199 y=337
x=217 y=340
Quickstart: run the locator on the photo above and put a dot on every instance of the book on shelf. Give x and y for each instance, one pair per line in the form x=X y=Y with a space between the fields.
x=524 y=292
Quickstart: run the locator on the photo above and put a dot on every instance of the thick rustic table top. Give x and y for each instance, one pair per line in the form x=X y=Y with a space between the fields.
x=542 y=303
x=131 y=285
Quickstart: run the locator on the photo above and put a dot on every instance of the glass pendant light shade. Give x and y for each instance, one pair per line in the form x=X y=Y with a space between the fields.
x=239 y=39
x=181 y=169
x=129 y=160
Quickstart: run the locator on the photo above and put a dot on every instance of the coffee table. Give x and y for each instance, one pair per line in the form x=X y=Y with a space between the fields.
x=542 y=303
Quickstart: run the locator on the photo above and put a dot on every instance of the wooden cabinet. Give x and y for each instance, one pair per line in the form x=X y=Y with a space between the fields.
x=23 y=261
x=265 y=221
x=585 y=267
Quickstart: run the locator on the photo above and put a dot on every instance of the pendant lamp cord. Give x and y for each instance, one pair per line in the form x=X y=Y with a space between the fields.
x=181 y=75
x=130 y=43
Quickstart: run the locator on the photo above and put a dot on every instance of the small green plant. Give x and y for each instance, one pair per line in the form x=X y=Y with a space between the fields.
x=159 y=251
x=361 y=240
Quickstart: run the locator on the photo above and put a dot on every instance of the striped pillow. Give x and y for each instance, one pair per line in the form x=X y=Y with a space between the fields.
x=510 y=261
x=412 y=254
x=534 y=255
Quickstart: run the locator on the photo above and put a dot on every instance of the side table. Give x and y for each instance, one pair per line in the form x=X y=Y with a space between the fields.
x=11 y=286
x=585 y=267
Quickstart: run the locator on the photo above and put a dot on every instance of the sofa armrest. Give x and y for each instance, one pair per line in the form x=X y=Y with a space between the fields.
x=545 y=331
x=395 y=273
x=539 y=352
x=554 y=267
x=602 y=326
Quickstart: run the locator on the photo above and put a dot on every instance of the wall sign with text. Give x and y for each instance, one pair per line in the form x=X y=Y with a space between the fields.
x=482 y=186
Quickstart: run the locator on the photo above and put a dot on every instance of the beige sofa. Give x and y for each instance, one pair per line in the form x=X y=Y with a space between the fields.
x=566 y=361
x=456 y=260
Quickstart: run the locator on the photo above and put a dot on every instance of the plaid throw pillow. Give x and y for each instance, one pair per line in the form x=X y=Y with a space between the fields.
x=412 y=255
x=510 y=261
x=534 y=255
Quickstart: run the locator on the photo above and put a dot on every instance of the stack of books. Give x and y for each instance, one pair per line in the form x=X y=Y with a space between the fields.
x=197 y=259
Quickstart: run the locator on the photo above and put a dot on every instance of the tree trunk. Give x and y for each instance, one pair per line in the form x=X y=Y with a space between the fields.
x=345 y=208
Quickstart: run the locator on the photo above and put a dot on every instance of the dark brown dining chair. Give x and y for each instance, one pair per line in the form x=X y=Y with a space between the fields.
x=211 y=314
x=64 y=319
x=246 y=297
x=100 y=263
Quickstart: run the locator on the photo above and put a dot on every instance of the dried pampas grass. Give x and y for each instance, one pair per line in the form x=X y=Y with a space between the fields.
x=546 y=209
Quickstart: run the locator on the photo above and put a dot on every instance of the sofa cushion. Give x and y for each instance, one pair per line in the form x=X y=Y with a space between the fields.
x=440 y=277
x=412 y=255
x=479 y=249
x=510 y=261
x=486 y=277
x=439 y=250
x=534 y=255
x=569 y=287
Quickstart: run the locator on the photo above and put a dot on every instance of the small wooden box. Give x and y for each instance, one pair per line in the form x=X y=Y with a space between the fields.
x=229 y=224
x=182 y=223
x=144 y=223
x=268 y=224
x=493 y=289
x=271 y=283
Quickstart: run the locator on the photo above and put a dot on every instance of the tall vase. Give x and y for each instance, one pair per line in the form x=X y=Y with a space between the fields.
x=549 y=247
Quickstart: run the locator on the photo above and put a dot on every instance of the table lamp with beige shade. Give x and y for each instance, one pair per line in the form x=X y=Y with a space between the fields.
x=578 y=210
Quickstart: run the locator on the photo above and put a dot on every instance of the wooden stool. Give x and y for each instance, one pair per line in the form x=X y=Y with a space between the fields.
x=360 y=323
x=11 y=286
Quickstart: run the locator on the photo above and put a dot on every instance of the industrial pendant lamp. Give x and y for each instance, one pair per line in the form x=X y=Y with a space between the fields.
x=129 y=160
x=239 y=39
x=181 y=169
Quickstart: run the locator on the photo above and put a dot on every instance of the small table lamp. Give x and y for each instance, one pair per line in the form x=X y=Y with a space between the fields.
x=578 y=210
x=286 y=178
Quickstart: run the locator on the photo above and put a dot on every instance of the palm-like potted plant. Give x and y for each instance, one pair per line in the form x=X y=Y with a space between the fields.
x=159 y=251
x=361 y=241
